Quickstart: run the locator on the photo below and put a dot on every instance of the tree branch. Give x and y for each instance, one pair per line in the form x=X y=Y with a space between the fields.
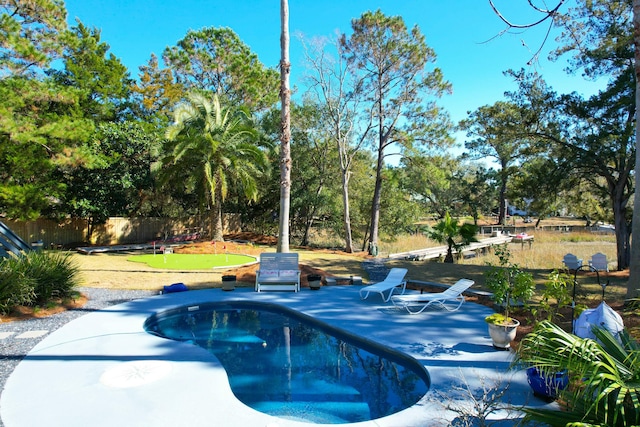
x=548 y=13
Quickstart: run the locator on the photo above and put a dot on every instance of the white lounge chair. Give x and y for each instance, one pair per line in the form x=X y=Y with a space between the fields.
x=572 y=262
x=394 y=281
x=599 y=262
x=417 y=303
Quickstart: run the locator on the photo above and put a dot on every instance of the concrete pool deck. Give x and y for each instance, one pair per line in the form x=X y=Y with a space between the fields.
x=103 y=369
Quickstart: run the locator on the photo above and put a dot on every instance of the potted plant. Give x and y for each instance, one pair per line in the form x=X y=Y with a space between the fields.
x=604 y=392
x=545 y=382
x=509 y=284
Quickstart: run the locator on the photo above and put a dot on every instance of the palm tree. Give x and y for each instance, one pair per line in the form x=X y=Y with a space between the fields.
x=604 y=376
x=215 y=145
x=454 y=235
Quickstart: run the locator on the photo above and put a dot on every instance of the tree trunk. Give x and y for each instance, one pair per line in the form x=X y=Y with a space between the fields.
x=307 y=231
x=622 y=234
x=616 y=188
x=216 y=219
x=285 y=134
x=633 y=287
x=502 y=209
x=348 y=239
x=449 y=257
x=375 y=207
x=377 y=192
x=308 y=222
x=90 y=226
x=366 y=237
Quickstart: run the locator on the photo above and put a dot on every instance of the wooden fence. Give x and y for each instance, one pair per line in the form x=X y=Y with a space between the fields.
x=116 y=231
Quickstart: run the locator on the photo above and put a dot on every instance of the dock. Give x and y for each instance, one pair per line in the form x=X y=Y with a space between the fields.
x=441 y=251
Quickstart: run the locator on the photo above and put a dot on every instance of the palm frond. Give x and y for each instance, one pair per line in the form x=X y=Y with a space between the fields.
x=604 y=385
x=213 y=149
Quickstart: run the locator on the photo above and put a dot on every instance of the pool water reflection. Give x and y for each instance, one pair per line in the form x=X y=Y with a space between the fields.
x=286 y=364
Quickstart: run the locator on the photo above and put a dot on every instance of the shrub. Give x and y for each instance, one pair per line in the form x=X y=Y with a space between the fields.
x=15 y=287
x=454 y=235
x=55 y=275
x=37 y=278
x=556 y=296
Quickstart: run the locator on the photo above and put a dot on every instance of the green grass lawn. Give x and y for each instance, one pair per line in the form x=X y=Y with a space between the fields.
x=192 y=261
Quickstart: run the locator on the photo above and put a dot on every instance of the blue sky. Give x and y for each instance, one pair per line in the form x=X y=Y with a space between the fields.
x=458 y=30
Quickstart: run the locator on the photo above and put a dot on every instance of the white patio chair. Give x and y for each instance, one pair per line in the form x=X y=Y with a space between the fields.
x=417 y=303
x=572 y=262
x=393 y=282
x=599 y=262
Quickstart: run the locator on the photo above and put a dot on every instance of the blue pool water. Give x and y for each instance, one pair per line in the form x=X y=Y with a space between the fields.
x=289 y=365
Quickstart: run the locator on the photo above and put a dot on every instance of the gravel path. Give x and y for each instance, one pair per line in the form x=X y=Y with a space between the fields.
x=18 y=338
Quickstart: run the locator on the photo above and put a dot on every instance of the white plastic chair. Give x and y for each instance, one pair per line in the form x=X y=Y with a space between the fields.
x=393 y=282
x=599 y=262
x=417 y=303
x=572 y=262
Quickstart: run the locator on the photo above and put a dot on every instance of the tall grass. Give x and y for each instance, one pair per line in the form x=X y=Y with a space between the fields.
x=546 y=252
x=37 y=278
x=550 y=247
x=15 y=287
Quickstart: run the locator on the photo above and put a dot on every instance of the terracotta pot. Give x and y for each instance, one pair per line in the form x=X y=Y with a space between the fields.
x=502 y=334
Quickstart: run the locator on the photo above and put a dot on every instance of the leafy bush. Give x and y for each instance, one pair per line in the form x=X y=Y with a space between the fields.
x=15 y=287
x=55 y=273
x=556 y=296
x=36 y=278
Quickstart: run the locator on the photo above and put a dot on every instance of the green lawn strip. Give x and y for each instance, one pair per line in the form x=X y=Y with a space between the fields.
x=191 y=261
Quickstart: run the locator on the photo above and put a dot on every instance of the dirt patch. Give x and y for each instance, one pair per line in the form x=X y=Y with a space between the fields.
x=238 y=245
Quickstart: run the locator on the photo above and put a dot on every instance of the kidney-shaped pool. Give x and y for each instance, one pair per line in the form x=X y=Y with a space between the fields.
x=287 y=364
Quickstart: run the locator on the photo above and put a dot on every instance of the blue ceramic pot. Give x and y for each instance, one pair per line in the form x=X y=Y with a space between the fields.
x=547 y=386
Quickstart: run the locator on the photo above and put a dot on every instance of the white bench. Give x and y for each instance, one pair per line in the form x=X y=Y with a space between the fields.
x=278 y=272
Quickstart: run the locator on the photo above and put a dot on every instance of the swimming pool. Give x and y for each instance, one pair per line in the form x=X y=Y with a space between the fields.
x=286 y=364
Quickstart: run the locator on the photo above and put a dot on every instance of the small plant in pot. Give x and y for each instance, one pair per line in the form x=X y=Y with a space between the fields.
x=509 y=284
x=547 y=382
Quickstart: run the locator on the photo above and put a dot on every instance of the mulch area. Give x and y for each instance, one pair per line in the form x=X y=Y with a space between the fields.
x=25 y=313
